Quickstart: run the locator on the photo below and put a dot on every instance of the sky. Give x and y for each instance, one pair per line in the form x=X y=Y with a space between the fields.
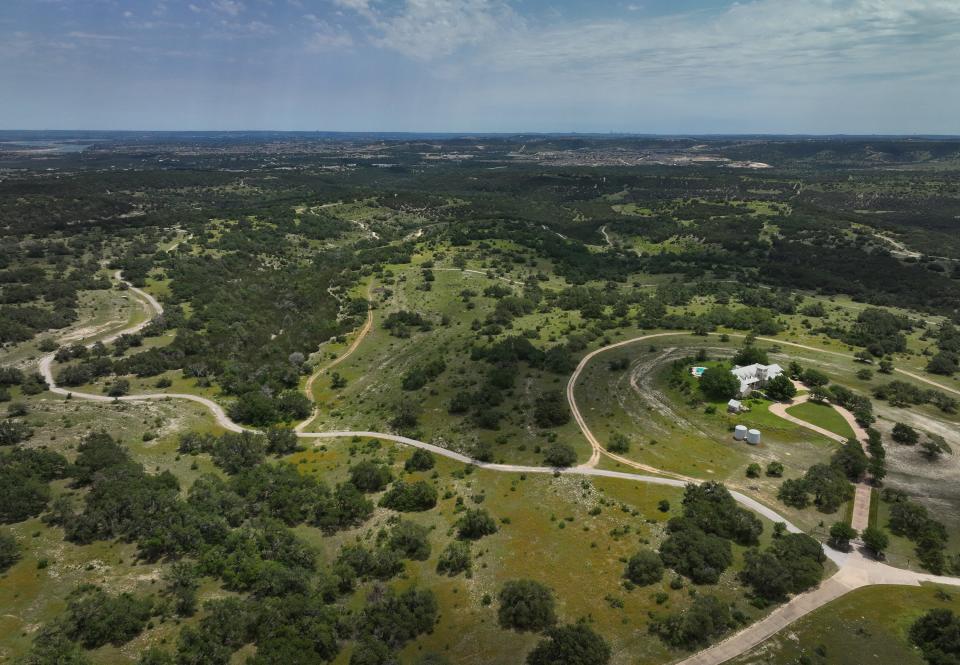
x=637 y=66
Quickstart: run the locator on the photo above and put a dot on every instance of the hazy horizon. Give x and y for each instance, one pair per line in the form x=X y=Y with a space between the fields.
x=810 y=67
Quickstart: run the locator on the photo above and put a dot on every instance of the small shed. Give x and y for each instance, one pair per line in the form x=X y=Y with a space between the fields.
x=734 y=406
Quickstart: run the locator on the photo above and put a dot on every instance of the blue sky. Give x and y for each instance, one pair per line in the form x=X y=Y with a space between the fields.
x=657 y=66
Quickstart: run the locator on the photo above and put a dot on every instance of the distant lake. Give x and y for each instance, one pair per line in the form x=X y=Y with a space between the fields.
x=51 y=146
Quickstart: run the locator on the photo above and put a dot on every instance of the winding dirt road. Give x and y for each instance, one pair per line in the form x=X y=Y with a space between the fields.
x=854 y=570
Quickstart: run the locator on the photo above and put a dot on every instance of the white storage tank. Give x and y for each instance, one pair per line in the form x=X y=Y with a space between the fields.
x=740 y=432
x=753 y=436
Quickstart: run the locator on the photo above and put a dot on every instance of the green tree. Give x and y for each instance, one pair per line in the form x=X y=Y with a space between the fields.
x=841 y=534
x=875 y=540
x=475 y=524
x=368 y=476
x=420 y=460
x=754 y=470
x=526 y=605
x=937 y=635
x=410 y=497
x=619 y=443
x=718 y=383
x=182 y=582
x=904 y=434
x=560 y=455
x=551 y=410
x=780 y=388
x=9 y=551
x=574 y=644
x=644 y=568
x=775 y=469
x=455 y=559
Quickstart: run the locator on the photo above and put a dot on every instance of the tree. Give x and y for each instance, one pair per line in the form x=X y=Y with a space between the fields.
x=644 y=568
x=234 y=452
x=886 y=367
x=719 y=383
x=396 y=618
x=410 y=539
x=829 y=486
x=753 y=470
x=9 y=551
x=904 y=434
x=574 y=644
x=526 y=605
x=410 y=497
x=551 y=410
x=694 y=554
x=619 y=443
x=421 y=460
x=944 y=363
x=750 y=355
x=780 y=388
x=95 y=618
x=937 y=635
x=851 y=459
x=705 y=619
x=368 y=476
x=934 y=447
x=775 y=469
x=841 y=534
x=793 y=492
x=281 y=441
x=182 y=583
x=875 y=540
x=475 y=524
x=814 y=378
x=454 y=559
x=560 y=455
x=407 y=414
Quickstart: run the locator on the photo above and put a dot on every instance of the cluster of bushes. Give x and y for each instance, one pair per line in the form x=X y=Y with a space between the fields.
x=698 y=542
x=792 y=564
x=528 y=606
x=912 y=520
x=902 y=394
x=826 y=485
x=237 y=530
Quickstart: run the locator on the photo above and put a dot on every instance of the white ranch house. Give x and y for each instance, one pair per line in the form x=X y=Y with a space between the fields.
x=755 y=376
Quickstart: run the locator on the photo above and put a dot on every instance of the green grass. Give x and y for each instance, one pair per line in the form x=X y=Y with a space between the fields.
x=822 y=415
x=869 y=625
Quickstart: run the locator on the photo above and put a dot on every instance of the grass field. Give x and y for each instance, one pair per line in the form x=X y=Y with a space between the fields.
x=868 y=625
x=822 y=415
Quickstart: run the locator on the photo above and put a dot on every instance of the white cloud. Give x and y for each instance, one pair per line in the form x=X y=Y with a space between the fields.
x=429 y=29
x=793 y=40
x=228 y=7
x=327 y=37
x=98 y=37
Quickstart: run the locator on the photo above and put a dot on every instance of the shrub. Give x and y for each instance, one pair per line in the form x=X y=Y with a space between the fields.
x=410 y=497
x=775 y=469
x=574 y=644
x=904 y=434
x=475 y=524
x=718 y=383
x=560 y=455
x=421 y=460
x=644 y=568
x=454 y=559
x=369 y=476
x=526 y=605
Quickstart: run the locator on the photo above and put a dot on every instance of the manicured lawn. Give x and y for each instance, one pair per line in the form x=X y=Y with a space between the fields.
x=868 y=625
x=822 y=415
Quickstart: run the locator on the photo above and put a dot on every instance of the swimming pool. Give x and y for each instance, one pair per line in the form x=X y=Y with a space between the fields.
x=697 y=371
